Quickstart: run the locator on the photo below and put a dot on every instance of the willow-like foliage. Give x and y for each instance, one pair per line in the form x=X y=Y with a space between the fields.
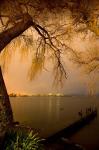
x=53 y=24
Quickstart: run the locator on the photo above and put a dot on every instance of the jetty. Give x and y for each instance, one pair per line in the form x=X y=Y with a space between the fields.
x=59 y=140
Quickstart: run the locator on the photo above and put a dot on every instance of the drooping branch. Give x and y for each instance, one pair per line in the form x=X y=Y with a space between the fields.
x=8 y=35
x=55 y=47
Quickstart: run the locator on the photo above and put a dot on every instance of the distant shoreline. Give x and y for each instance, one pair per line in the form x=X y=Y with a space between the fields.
x=53 y=95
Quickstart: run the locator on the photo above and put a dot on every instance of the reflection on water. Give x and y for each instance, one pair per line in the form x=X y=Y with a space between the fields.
x=51 y=114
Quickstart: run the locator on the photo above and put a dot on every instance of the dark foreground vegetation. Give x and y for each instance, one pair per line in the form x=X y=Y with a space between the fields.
x=22 y=138
x=17 y=139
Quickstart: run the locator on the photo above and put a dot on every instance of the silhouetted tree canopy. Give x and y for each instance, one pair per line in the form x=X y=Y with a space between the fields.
x=54 y=23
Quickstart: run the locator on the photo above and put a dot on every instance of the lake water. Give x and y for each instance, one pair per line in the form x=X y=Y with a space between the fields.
x=50 y=114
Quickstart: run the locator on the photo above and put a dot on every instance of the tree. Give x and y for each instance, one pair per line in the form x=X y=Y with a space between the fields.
x=42 y=17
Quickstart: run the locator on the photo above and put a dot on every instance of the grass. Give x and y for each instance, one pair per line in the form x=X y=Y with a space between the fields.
x=19 y=140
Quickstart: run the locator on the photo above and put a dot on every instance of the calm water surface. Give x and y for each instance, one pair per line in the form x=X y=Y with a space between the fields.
x=51 y=114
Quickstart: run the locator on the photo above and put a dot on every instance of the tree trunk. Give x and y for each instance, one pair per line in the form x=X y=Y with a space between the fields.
x=6 y=115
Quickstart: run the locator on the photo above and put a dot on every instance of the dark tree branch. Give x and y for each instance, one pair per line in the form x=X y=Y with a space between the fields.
x=7 y=36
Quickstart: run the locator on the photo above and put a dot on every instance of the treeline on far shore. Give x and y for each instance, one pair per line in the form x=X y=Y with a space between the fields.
x=26 y=95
